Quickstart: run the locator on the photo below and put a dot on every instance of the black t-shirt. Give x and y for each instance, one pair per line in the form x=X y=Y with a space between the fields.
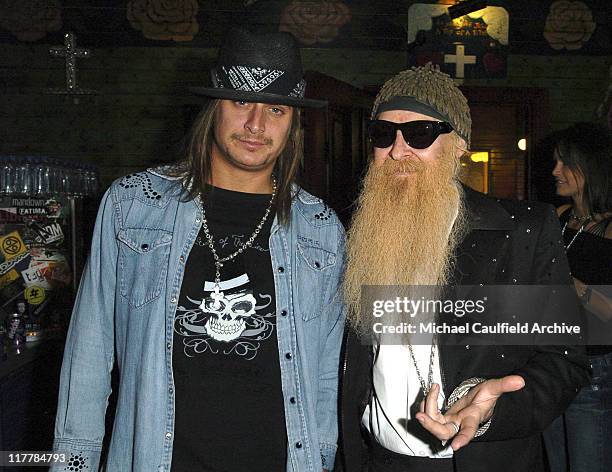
x=229 y=404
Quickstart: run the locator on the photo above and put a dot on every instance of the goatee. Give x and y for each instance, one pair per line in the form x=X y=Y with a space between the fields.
x=405 y=228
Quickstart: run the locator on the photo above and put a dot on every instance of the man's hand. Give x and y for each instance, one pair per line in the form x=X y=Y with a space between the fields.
x=463 y=419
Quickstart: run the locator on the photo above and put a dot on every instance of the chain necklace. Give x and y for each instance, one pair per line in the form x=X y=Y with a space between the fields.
x=425 y=386
x=581 y=219
x=216 y=296
x=585 y=221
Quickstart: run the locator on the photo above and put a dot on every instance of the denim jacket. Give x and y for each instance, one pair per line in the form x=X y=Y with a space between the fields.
x=125 y=309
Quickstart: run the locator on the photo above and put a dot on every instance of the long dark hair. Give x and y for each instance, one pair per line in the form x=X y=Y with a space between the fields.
x=586 y=148
x=195 y=168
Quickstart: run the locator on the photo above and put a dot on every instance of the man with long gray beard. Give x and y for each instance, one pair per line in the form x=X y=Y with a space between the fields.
x=416 y=225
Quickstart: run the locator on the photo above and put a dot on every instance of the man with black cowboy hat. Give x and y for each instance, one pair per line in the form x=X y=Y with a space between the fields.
x=213 y=285
x=444 y=406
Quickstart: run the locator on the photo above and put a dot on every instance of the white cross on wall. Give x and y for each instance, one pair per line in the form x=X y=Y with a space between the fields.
x=460 y=60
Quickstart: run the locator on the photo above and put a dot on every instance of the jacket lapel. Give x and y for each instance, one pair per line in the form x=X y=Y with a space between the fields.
x=489 y=231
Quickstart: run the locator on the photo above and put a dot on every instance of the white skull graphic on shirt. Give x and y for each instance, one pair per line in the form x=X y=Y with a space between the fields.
x=227 y=318
x=237 y=324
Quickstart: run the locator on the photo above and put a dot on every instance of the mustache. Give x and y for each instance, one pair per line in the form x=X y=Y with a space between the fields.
x=243 y=137
x=391 y=167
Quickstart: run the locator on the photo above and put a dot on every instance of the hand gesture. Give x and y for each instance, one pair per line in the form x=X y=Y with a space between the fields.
x=462 y=420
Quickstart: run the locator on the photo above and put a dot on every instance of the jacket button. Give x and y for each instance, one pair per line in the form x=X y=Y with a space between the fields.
x=298 y=445
x=168 y=435
x=284 y=313
x=281 y=269
x=292 y=400
x=182 y=259
x=288 y=355
x=173 y=299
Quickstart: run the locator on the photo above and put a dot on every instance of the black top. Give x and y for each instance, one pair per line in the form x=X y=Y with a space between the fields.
x=590 y=259
x=225 y=359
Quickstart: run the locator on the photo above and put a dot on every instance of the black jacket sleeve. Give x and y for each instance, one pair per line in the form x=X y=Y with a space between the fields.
x=553 y=374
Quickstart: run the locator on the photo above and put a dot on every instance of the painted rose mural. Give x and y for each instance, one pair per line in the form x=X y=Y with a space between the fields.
x=569 y=25
x=170 y=20
x=30 y=20
x=314 y=22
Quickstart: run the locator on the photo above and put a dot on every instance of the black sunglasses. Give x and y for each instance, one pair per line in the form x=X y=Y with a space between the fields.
x=418 y=134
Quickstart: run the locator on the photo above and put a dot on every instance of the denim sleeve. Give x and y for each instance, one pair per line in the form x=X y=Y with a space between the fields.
x=327 y=406
x=89 y=354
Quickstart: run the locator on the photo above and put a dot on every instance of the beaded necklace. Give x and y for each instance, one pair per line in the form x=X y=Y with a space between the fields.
x=585 y=221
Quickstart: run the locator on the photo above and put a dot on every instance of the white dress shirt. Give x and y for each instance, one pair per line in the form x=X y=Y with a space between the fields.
x=396 y=399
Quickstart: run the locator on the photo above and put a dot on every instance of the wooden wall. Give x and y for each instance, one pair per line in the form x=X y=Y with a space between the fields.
x=143 y=107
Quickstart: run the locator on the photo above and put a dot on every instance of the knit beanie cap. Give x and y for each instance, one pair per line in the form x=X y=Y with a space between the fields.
x=429 y=91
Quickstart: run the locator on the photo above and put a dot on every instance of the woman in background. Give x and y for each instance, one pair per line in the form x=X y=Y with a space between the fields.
x=583 y=173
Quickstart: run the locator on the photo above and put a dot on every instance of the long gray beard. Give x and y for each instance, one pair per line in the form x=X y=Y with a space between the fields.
x=404 y=232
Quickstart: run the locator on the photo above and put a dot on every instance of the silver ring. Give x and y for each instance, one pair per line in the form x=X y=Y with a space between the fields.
x=455 y=427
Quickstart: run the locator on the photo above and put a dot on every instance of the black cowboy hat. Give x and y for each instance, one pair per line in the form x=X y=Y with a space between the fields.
x=264 y=68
